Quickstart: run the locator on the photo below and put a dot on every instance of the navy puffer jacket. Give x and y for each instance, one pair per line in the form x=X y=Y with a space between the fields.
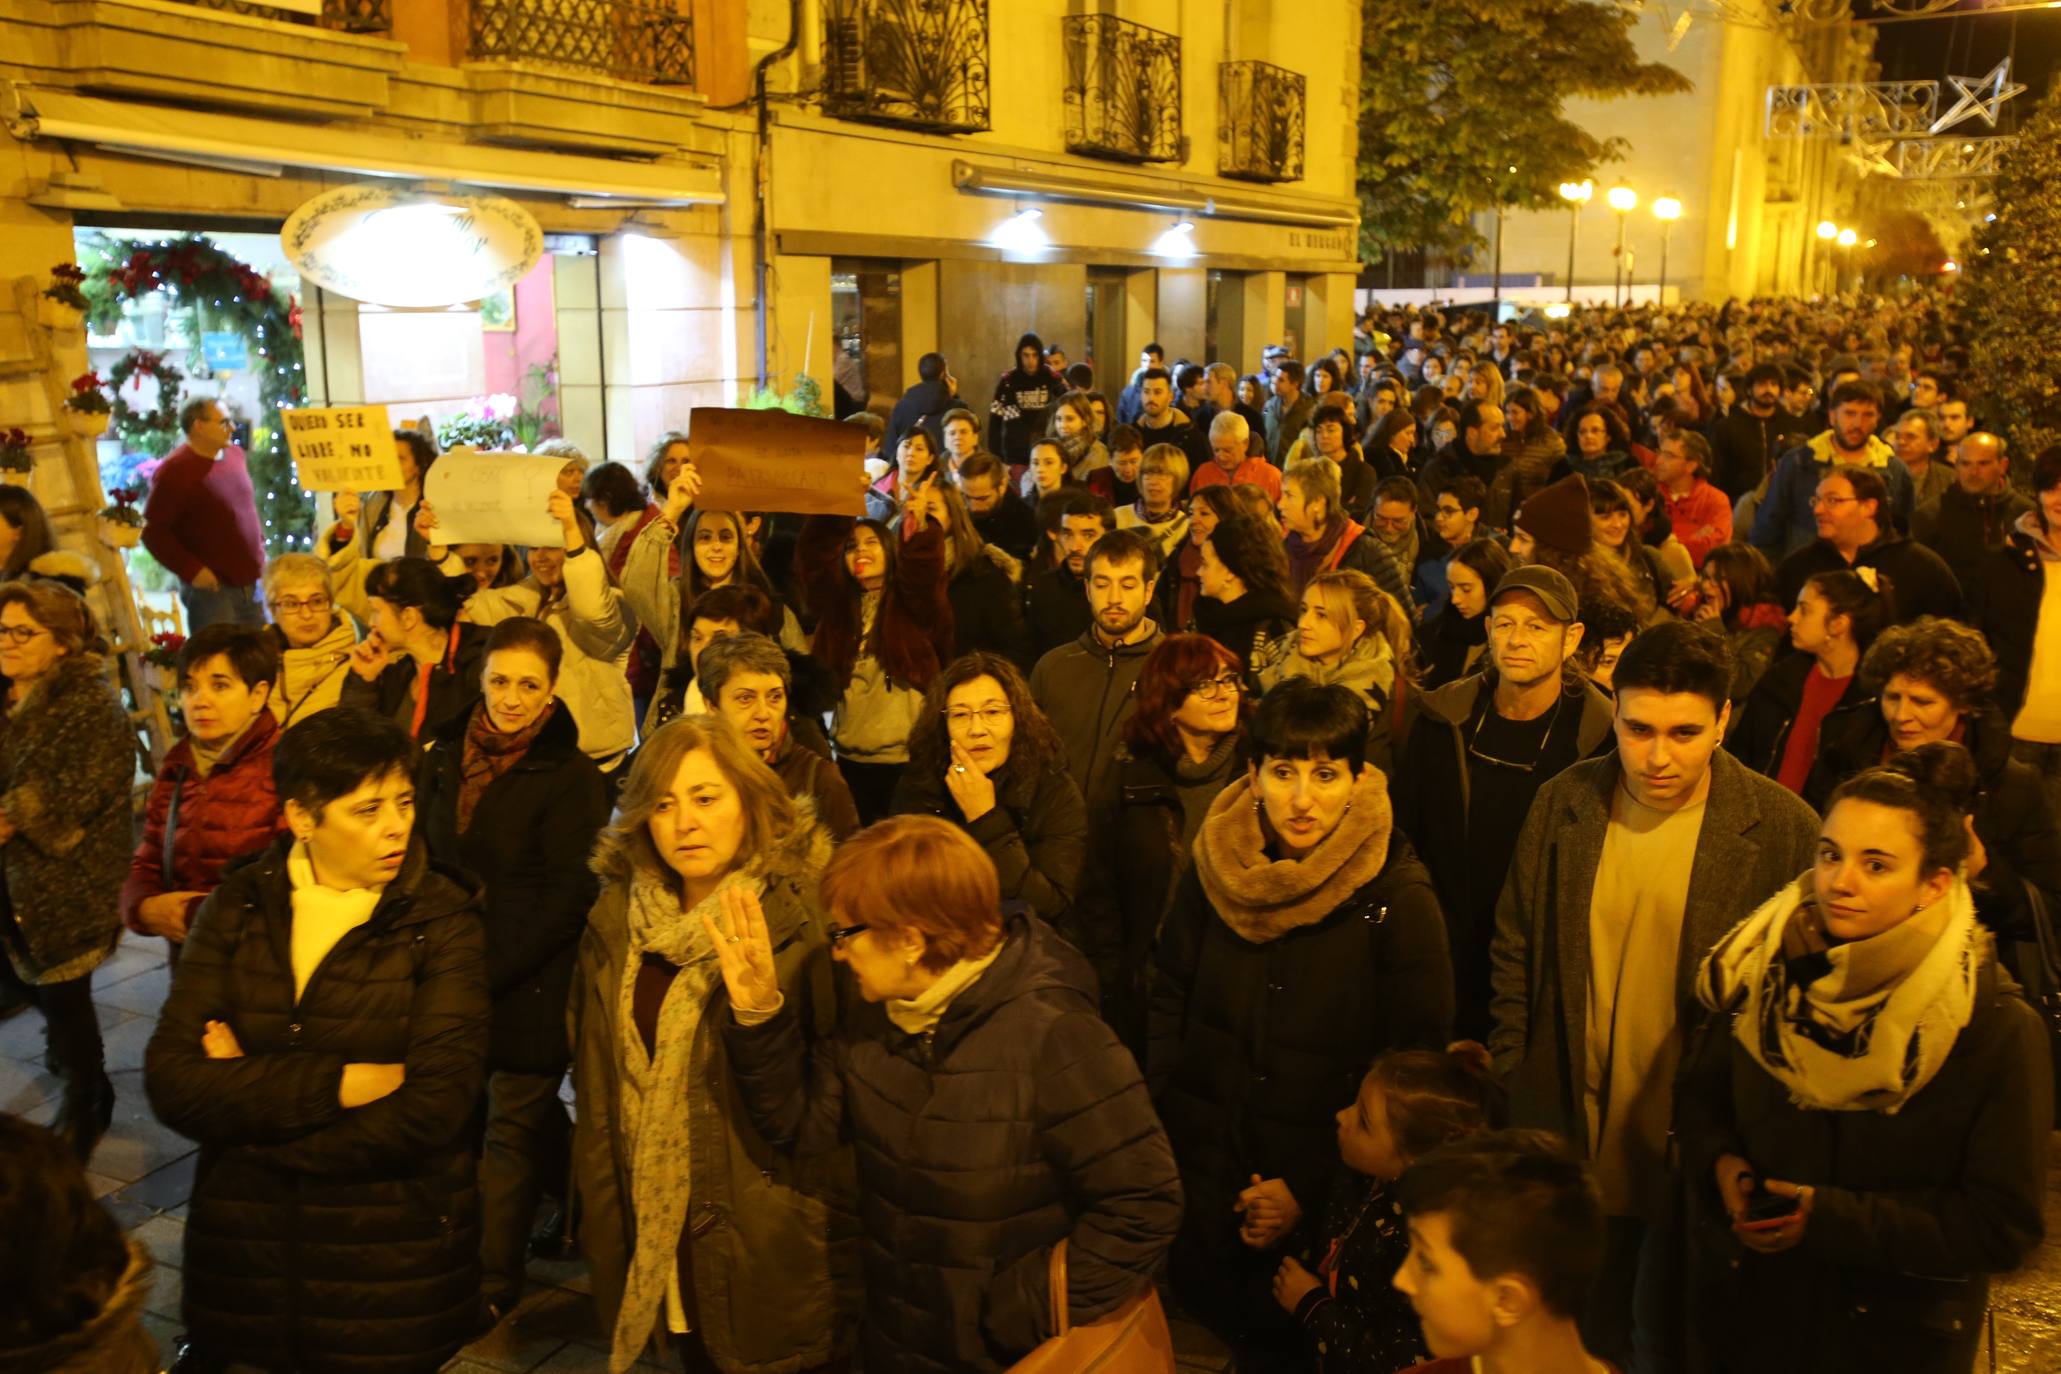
x=1017 y=1122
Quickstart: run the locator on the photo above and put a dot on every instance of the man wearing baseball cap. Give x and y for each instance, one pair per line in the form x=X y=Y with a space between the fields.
x=1480 y=748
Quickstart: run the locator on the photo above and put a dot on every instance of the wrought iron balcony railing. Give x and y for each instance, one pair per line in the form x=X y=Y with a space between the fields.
x=1123 y=89
x=1261 y=113
x=345 y=16
x=919 y=64
x=650 y=41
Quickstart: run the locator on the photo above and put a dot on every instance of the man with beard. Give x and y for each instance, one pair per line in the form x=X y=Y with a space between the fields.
x=1162 y=422
x=1054 y=606
x=1480 y=749
x=1757 y=432
x=1786 y=520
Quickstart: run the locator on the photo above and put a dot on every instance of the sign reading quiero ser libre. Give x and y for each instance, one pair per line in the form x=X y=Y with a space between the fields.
x=342 y=448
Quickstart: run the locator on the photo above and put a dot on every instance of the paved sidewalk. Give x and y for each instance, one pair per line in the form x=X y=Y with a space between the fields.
x=144 y=1172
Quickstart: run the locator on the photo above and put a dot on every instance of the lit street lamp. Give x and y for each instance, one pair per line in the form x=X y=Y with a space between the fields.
x=1827 y=231
x=1624 y=200
x=1667 y=210
x=1576 y=194
x=1846 y=240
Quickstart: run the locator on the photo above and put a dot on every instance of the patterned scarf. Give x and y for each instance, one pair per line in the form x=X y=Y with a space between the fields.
x=1854 y=1027
x=656 y=1122
x=489 y=754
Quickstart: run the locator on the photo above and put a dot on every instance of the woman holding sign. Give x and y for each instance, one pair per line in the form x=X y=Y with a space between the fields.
x=717 y=551
x=883 y=628
x=381 y=525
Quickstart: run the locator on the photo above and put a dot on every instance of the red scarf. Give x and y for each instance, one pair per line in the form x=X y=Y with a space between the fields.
x=489 y=754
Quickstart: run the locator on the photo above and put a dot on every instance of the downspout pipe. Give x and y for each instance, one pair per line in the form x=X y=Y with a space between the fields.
x=762 y=236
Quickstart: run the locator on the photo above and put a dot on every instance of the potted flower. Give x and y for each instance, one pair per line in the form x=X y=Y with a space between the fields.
x=16 y=459
x=162 y=658
x=63 y=303
x=121 y=523
x=86 y=409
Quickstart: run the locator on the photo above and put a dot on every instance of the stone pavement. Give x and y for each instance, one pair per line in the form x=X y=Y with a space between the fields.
x=143 y=1173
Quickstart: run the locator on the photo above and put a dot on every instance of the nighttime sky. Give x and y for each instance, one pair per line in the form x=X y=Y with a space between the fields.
x=1969 y=46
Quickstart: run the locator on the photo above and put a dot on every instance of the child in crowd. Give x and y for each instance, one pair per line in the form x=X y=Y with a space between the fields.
x=1410 y=1103
x=1506 y=1239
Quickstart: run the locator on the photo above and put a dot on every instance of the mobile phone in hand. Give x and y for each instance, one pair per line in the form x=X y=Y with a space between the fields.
x=1765 y=1210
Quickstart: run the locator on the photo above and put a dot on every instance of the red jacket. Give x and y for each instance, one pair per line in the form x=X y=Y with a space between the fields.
x=1702 y=520
x=231 y=812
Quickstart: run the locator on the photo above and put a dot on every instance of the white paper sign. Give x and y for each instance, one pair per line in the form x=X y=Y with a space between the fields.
x=494 y=498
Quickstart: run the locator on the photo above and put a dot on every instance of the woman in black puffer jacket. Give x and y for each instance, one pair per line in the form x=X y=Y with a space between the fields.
x=1305 y=940
x=324 y=1041
x=994 y=1113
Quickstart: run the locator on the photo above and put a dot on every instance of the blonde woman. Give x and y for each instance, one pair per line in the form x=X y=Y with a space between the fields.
x=1162 y=477
x=749 y=1264
x=1354 y=634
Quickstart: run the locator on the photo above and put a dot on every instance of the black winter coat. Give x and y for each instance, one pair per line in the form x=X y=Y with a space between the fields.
x=1745 y=447
x=1919 y=578
x=1247 y=626
x=1055 y=610
x=987 y=612
x=323 y=1240
x=1255 y=1046
x=1911 y=1213
x=2013 y=819
x=1760 y=729
x=1963 y=530
x=1037 y=833
x=528 y=843
x=2004 y=604
x=453 y=684
x=1018 y=1121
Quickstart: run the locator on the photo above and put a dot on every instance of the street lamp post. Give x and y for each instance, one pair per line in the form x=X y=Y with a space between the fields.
x=1827 y=231
x=1846 y=240
x=1576 y=194
x=1624 y=200
x=1666 y=209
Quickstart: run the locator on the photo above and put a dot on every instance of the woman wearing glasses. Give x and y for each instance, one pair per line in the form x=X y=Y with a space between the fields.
x=1182 y=746
x=994 y=1115
x=315 y=638
x=983 y=756
x=67 y=759
x=748 y=1263
x=1305 y=941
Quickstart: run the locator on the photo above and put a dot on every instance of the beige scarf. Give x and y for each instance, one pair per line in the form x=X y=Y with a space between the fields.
x=1263 y=898
x=920 y=1013
x=1854 y=1027
x=656 y=1118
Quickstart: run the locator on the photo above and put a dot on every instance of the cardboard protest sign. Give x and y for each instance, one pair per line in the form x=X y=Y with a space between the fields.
x=769 y=460
x=342 y=448
x=494 y=498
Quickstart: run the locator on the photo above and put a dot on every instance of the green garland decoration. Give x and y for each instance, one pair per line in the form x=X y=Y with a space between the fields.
x=151 y=430
x=228 y=295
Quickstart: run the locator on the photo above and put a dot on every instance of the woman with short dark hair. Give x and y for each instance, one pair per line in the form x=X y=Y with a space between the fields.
x=24 y=530
x=67 y=763
x=419 y=665
x=1735 y=597
x=994 y=1115
x=1304 y=941
x=324 y=1043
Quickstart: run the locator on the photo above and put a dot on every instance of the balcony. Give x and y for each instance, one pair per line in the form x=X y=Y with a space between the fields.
x=1261 y=113
x=645 y=41
x=1123 y=90
x=339 y=16
x=916 y=64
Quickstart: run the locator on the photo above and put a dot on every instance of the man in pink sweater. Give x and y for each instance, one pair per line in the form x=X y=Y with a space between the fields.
x=201 y=521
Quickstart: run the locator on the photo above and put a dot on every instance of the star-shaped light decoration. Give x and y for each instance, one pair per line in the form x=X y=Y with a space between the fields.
x=1979 y=97
x=1871 y=155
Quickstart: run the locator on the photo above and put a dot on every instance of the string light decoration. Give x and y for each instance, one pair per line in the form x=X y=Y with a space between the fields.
x=228 y=294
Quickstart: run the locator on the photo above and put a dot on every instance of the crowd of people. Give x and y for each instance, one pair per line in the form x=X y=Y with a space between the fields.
x=1521 y=845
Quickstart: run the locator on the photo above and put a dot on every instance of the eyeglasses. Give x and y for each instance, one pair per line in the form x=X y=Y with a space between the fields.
x=21 y=634
x=839 y=934
x=1211 y=689
x=289 y=605
x=993 y=717
x=1826 y=502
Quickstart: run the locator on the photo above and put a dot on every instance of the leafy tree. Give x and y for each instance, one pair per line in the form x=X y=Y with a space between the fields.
x=2009 y=292
x=1457 y=94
